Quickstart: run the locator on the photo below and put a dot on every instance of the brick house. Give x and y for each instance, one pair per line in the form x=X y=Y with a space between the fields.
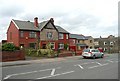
x=108 y=44
x=27 y=34
x=89 y=42
x=77 y=42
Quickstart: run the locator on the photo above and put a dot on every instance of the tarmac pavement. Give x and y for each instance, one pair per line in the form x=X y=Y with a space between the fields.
x=28 y=61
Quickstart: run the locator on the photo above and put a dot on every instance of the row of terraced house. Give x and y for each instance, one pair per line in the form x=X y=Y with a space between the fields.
x=29 y=34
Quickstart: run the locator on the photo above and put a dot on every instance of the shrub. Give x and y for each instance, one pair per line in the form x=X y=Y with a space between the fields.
x=17 y=48
x=30 y=52
x=66 y=46
x=8 y=47
x=40 y=52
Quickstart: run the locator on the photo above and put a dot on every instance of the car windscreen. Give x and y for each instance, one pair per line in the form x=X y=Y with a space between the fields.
x=95 y=50
x=86 y=50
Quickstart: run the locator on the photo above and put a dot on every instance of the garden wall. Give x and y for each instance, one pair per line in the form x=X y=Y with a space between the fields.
x=65 y=54
x=12 y=55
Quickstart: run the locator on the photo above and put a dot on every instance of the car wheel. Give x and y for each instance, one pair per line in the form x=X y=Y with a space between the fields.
x=102 y=56
x=84 y=57
x=94 y=57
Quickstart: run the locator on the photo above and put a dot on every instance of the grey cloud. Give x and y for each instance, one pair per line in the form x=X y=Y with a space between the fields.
x=11 y=10
x=43 y=15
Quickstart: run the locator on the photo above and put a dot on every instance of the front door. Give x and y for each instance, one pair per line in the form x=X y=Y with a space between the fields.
x=21 y=45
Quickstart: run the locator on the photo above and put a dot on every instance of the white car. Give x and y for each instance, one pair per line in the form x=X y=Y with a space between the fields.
x=94 y=53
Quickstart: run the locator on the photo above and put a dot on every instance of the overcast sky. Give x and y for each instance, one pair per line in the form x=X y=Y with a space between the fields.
x=88 y=17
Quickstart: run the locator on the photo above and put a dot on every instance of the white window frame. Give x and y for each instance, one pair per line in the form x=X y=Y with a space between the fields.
x=61 y=46
x=96 y=43
x=105 y=43
x=52 y=43
x=49 y=35
x=111 y=43
x=32 y=34
x=73 y=41
x=61 y=35
x=67 y=36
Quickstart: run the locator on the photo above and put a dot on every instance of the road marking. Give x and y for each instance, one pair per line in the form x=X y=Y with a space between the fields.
x=105 y=64
x=87 y=63
x=99 y=63
x=79 y=66
x=8 y=76
x=97 y=66
x=55 y=75
x=53 y=71
x=92 y=67
x=84 y=63
x=116 y=61
x=110 y=61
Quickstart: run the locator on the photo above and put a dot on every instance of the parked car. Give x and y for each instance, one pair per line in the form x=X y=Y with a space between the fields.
x=93 y=53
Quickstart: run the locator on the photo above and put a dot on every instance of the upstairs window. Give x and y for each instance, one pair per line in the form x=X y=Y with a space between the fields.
x=96 y=43
x=49 y=35
x=105 y=43
x=60 y=36
x=111 y=43
x=73 y=41
x=21 y=34
x=32 y=34
x=67 y=36
x=90 y=41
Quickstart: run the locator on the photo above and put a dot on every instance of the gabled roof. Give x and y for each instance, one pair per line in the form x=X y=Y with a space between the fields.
x=87 y=37
x=42 y=24
x=27 y=25
x=96 y=39
x=81 y=37
x=61 y=30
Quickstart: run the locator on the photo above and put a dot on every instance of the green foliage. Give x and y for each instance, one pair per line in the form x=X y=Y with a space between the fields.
x=66 y=46
x=48 y=46
x=30 y=52
x=40 y=52
x=8 y=47
x=58 y=51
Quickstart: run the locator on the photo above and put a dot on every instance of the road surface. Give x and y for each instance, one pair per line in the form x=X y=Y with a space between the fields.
x=70 y=68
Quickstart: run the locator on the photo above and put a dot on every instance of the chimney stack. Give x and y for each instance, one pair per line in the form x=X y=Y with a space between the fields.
x=36 y=21
x=52 y=20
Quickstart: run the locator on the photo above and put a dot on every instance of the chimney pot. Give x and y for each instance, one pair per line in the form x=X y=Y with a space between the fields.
x=36 y=21
x=52 y=20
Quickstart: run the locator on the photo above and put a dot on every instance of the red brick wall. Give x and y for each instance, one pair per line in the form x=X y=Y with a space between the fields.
x=26 y=39
x=64 y=40
x=72 y=44
x=12 y=56
x=15 y=34
x=65 y=53
x=16 y=39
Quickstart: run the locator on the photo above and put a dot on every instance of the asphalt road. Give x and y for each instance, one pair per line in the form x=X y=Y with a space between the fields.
x=71 y=68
